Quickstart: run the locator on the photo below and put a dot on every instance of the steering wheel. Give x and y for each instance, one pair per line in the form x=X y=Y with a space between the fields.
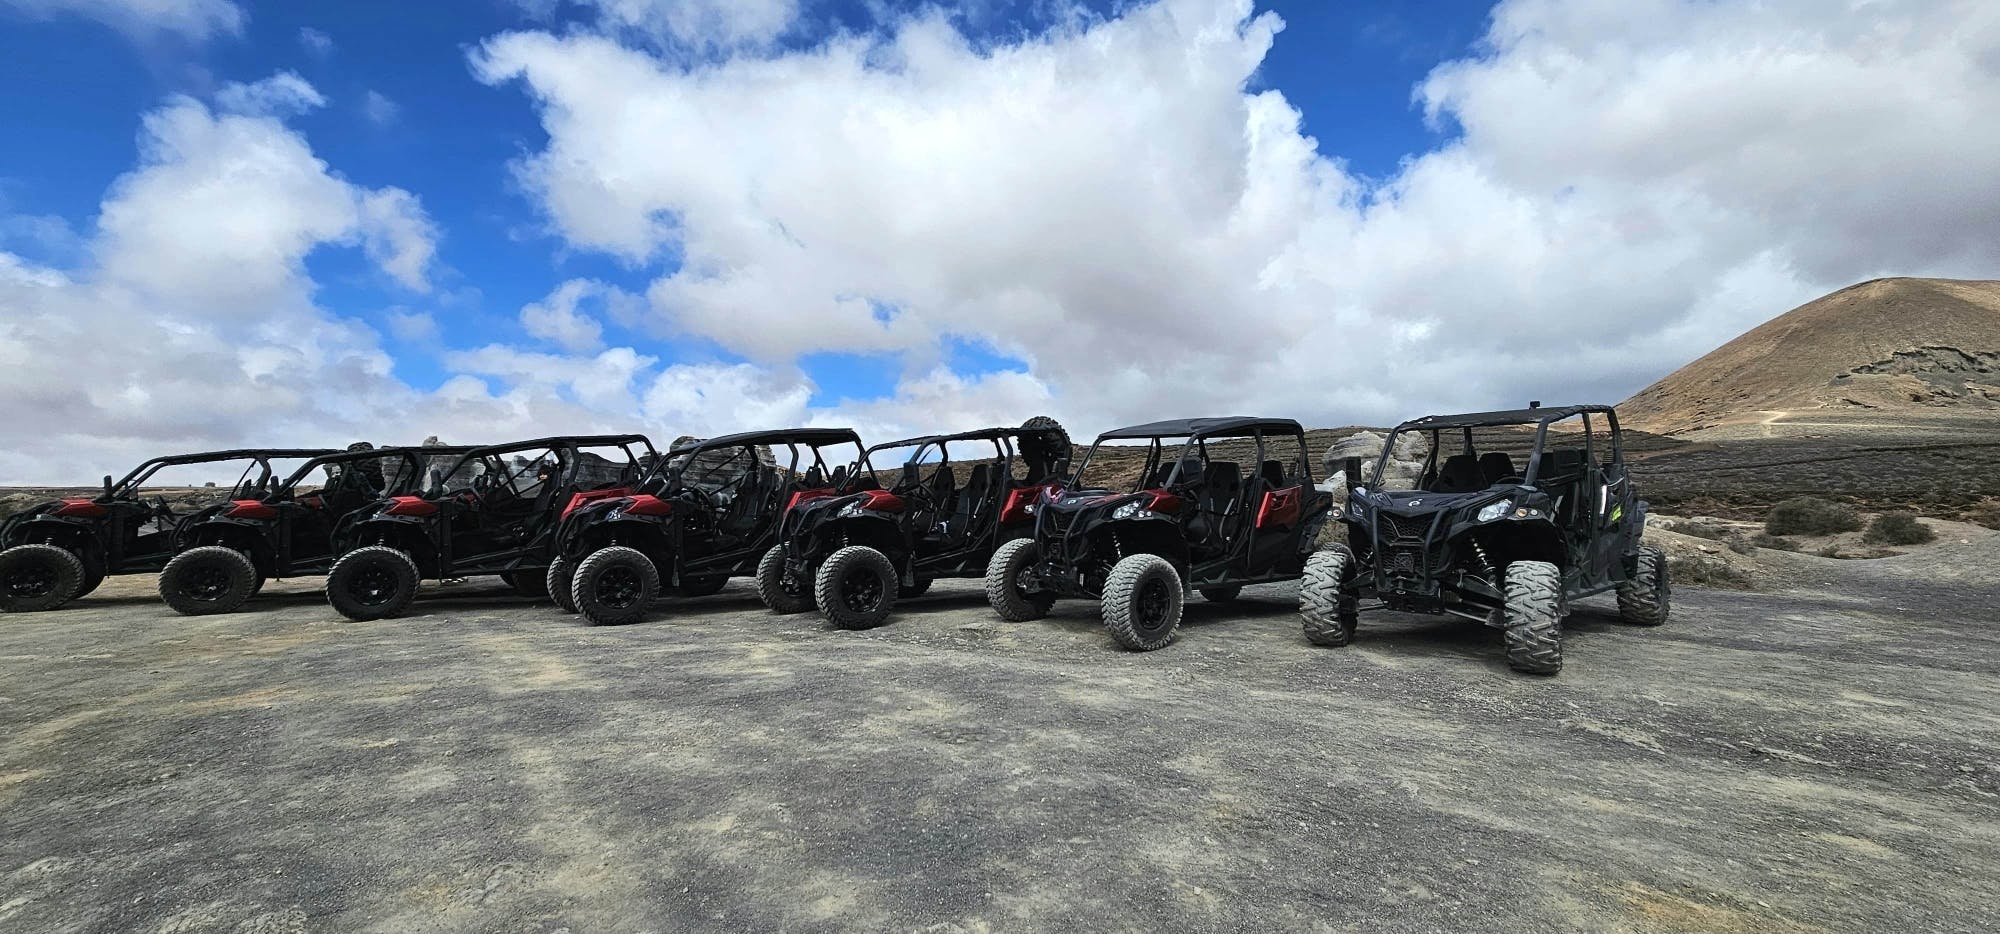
x=697 y=497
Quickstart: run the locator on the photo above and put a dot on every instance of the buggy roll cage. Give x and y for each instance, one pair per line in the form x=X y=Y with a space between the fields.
x=1003 y=437
x=411 y=454
x=1541 y=418
x=623 y=442
x=670 y=468
x=1197 y=432
x=263 y=457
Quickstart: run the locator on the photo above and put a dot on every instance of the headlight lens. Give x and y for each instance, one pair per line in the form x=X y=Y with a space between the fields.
x=851 y=509
x=1496 y=510
x=1128 y=510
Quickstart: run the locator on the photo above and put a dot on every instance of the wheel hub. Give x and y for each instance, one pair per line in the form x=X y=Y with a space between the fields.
x=618 y=588
x=861 y=590
x=1154 y=602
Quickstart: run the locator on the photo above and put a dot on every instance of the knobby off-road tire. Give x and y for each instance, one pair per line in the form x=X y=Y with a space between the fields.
x=34 y=578
x=1142 y=602
x=614 y=586
x=702 y=586
x=373 y=582
x=1327 y=608
x=855 y=587
x=209 y=579
x=918 y=589
x=1222 y=594
x=93 y=576
x=1534 y=617
x=772 y=589
x=528 y=583
x=1003 y=583
x=561 y=571
x=1646 y=599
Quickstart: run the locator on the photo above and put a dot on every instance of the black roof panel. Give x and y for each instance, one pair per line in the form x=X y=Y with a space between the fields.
x=1200 y=427
x=1509 y=417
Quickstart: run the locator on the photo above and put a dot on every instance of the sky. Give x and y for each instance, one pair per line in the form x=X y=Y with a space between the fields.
x=228 y=222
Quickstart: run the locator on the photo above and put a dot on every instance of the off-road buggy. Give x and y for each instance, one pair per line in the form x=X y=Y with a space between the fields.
x=887 y=533
x=225 y=553
x=492 y=511
x=56 y=552
x=1215 y=504
x=709 y=512
x=1514 y=515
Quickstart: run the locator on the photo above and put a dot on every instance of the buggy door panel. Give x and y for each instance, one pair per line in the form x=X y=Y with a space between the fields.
x=1617 y=526
x=1280 y=495
x=511 y=495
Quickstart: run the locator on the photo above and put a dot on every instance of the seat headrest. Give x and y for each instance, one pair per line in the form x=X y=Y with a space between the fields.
x=1273 y=472
x=1460 y=474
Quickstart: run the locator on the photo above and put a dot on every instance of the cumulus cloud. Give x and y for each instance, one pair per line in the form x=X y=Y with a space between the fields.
x=193 y=19
x=559 y=320
x=190 y=322
x=689 y=24
x=1619 y=186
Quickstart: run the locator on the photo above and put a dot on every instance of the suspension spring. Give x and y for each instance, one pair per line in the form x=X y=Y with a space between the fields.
x=1479 y=553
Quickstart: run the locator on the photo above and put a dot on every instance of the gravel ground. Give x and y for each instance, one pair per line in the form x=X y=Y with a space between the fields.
x=1823 y=758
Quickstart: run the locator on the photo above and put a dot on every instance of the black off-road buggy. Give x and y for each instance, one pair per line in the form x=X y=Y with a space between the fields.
x=709 y=512
x=492 y=511
x=57 y=552
x=860 y=549
x=1514 y=515
x=1217 y=503
x=226 y=553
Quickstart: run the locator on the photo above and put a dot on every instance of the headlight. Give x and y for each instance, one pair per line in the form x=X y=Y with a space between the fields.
x=1128 y=510
x=1360 y=491
x=850 y=510
x=1496 y=510
x=1031 y=508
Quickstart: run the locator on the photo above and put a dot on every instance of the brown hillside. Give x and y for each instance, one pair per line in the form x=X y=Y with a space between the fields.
x=1893 y=346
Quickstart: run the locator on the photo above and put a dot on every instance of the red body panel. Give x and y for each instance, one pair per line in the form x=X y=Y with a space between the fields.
x=411 y=506
x=251 y=509
x=647 y=505
x=80 y=509
x=1015 y=509
x=1164 y=501
x=1280 y=509
x=578 y=499
x=806 y=495
x=882 y=501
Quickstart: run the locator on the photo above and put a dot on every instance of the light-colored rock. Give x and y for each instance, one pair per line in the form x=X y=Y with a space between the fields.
x=1406 y=462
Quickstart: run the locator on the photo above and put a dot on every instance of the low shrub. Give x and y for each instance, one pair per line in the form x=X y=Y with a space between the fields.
x=1700 y=529
x=1773 y=542
x=1707 y=572
x=1805 y=515
x=1898 y=528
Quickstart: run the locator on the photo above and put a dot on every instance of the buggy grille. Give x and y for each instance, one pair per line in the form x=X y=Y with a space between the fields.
x=1405 y=561
x=1405 y=528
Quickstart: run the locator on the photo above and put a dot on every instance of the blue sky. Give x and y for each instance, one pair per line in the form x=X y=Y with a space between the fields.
x=450 y=139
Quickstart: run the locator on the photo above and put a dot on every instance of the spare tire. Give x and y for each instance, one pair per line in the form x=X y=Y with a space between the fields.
x=1046 y=446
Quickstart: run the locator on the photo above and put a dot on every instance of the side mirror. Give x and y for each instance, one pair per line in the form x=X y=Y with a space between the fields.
x=1352 y=468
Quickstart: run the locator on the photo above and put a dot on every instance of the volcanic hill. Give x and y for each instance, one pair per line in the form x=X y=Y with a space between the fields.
x=1887 y=350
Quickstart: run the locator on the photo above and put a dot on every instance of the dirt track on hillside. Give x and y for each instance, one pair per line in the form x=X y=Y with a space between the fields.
x=1821 y=758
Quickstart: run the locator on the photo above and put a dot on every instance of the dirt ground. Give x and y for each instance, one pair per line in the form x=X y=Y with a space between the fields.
x=1826 y=757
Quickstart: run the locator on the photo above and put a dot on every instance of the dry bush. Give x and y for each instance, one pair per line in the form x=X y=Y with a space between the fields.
x=1806 y=515
x=1898 y=528
x=1773 y=542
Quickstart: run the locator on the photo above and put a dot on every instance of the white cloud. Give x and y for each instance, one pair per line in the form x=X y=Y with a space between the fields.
x=558 y=320
x=691 y=24
x=281 y=95
x=1633 y=183
x=193 y=19
x=225 y=206
x=379 y=109
x=316 y=43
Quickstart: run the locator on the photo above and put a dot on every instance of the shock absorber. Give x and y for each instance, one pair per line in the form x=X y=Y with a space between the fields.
x=1485 y=561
